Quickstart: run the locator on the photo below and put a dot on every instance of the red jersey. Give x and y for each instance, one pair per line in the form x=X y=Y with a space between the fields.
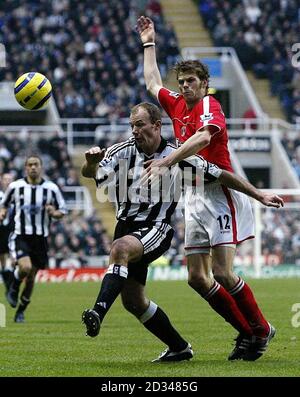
x=207 y=112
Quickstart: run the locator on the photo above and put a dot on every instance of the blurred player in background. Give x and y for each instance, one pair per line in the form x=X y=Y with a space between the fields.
x=226 y=220
x=36 y=201
x=143 y=232
x=5 y=229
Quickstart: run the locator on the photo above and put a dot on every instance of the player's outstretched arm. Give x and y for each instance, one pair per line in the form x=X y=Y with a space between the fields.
x=54 y=213
x=93 y=157
x=236 y=182
x=152 y=76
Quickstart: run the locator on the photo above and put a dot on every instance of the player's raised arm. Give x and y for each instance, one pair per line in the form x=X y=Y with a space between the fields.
x=236 y=182
x=92 y=158
x=153 y=80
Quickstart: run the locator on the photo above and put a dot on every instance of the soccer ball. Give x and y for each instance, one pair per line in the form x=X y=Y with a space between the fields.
x=33 y=90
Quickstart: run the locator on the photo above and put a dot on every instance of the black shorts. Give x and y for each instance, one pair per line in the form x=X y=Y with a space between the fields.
x=4 y=233
x=156 y=240
x=36 y=247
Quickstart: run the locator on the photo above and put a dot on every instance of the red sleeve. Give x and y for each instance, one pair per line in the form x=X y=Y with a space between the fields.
x=168 y=99
x=211 y=115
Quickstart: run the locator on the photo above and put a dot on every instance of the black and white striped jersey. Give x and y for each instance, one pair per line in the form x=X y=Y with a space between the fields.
x=122 y=168
x=10 y=213
x=29 y=201
x=6 y=220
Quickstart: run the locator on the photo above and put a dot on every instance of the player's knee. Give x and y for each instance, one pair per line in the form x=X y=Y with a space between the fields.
x=223 y=277
x=119 y=250
x=24 y=269
x=134 y=306
x=198 y=281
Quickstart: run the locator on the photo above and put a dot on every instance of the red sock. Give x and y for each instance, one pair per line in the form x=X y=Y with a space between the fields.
x=223 y=303
x=246 y=302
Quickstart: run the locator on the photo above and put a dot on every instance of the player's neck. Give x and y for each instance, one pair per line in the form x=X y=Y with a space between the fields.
x=152 y=147
x=190 y=103
x=34 y=181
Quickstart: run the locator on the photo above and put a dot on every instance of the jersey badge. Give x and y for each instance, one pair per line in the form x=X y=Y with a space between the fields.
x=206 y=117
x=174 y=94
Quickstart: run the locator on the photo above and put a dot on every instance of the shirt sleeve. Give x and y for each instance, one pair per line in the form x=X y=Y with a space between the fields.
x=7 y=197
x=59 y=201
x=210 y=171
x=167 y=100
x=108 y=167
x=212 y=116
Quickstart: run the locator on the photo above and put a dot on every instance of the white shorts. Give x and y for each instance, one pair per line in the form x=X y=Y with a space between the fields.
x=219 y=216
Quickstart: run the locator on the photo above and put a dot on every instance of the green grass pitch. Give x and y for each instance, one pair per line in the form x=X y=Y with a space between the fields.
x=52 y=342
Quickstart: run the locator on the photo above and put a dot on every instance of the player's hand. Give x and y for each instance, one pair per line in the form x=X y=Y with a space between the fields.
x=272 y=200
x=145 y=28
x=2 y=214
x=94 y=155
x=153 y=169
x=50 y=209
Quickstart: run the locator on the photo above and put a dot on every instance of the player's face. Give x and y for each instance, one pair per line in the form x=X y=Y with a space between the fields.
x=147 y=134
x=6 y=180
x=33 y=168
x=191 y=87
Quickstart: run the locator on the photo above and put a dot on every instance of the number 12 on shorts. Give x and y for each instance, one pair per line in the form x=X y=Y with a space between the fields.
x=224 y=222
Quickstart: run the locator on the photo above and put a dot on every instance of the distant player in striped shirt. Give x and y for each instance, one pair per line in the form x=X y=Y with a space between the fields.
x=36 y=201
x=5 y=229
x=212 y=234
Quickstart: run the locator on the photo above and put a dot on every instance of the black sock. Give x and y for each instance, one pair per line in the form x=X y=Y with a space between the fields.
x=15 y=284
x=7 y=276
x=24 y=302
x=158 y=323
x=111 y=286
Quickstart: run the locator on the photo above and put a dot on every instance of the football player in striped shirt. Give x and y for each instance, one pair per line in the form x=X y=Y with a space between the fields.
x=5 y=229
x=36 y=201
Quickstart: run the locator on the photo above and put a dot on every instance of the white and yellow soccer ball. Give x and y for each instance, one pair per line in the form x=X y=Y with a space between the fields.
x=33 y=90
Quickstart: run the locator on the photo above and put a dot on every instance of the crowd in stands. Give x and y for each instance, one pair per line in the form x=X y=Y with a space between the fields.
x=93 y=57
x=75 y=235
x=291 y=144
x=89 y=50
x=263 y=34
x=281 y=236
x=79 y=237
x=14 y=147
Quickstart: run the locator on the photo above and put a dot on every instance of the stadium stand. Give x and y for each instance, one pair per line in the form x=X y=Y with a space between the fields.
x=263 y=33
x=98 y=74
x=82 y=50
x=291 y=143
x=281 y=237
x=76 y=236
x=95 y=74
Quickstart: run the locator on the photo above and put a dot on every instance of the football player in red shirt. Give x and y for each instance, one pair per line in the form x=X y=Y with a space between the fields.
x=225 y=220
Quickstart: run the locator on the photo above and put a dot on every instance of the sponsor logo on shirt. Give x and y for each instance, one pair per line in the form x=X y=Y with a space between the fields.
x=183 y=130
x=174 y=94
x=206 y=117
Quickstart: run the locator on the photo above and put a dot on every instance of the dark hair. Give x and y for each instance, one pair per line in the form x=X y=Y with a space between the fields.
x=35 y=156
x=153 y=111
x=195 y=67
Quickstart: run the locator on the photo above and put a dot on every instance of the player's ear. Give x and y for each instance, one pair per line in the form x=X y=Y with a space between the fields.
x=204 y=83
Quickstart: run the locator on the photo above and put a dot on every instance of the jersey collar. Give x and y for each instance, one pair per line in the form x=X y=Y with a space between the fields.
x=27 y=181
